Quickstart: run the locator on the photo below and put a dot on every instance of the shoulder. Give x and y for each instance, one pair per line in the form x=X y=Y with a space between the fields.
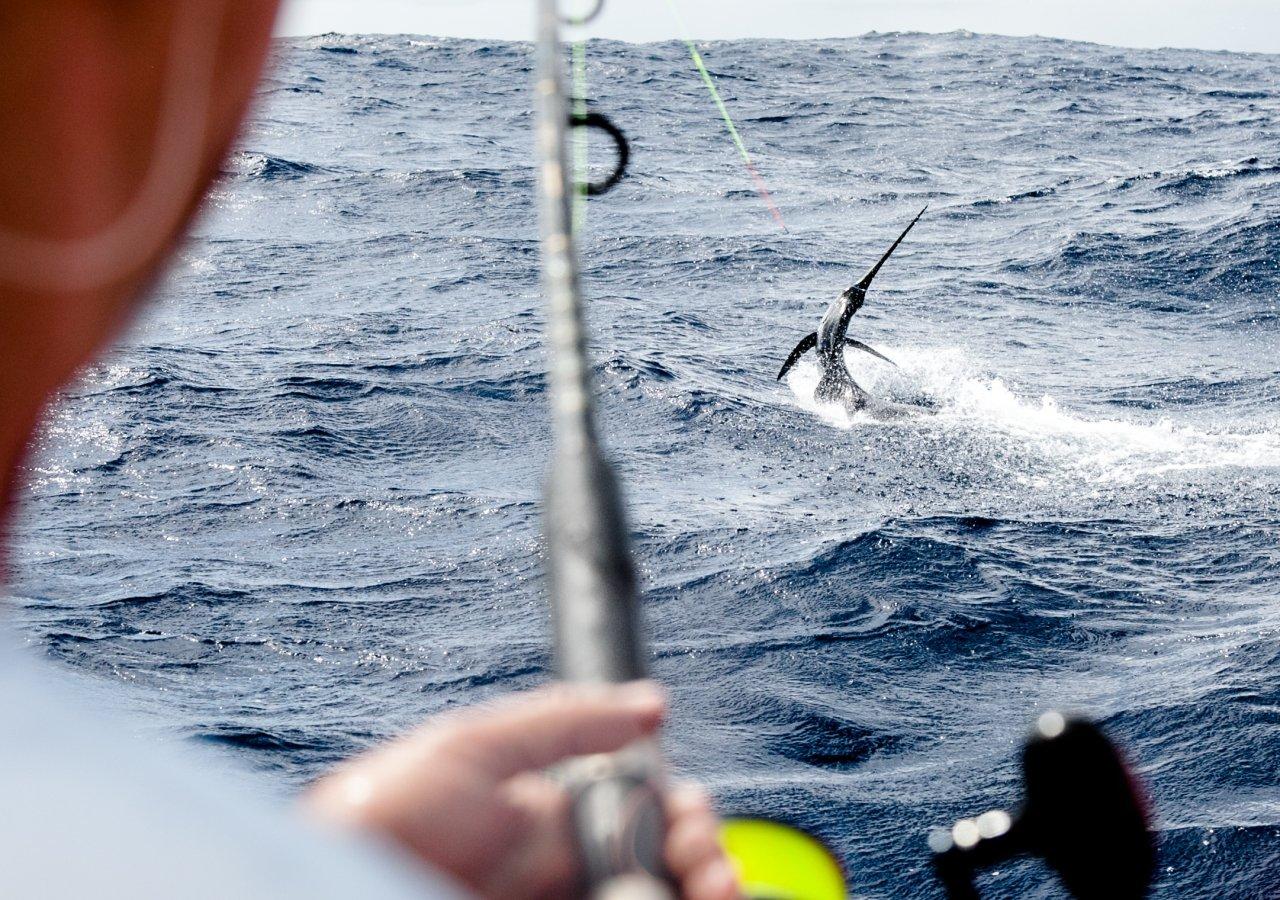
x=91 y=810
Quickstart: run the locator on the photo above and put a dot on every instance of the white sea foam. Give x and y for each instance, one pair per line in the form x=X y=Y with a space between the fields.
x=970 y=400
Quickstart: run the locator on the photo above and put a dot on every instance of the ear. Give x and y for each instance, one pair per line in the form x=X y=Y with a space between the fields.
x=114 y=118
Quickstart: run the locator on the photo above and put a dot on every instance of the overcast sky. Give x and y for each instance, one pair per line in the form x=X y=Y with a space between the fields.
x=1207 y=24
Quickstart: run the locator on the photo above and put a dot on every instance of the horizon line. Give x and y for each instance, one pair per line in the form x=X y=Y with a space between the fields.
x=795 y=40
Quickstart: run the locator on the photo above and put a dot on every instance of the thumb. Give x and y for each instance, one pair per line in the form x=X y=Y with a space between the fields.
x=535 y=730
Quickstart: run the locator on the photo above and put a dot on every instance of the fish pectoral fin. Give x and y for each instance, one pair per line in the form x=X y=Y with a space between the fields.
x=874 y=352
x=806 y=344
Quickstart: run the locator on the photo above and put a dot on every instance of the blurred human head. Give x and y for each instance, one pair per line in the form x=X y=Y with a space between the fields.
x=114 y=117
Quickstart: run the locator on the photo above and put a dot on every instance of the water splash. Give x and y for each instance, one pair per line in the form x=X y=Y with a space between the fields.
x=971 y=403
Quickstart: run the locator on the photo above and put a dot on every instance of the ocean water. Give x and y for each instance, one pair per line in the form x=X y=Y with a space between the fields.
x=299 y=509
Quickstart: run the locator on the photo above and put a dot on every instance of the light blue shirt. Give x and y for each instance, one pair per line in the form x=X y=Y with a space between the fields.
x=88 y=809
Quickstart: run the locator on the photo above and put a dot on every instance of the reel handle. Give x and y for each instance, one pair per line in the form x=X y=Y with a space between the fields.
x=1084 y=814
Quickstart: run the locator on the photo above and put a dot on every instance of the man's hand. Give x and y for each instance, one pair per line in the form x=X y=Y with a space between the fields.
x=467 y=792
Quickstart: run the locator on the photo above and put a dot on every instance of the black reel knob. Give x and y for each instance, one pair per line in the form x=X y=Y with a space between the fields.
x=1084 y=814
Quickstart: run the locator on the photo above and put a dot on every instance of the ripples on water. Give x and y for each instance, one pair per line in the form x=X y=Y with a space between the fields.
x=300 y=509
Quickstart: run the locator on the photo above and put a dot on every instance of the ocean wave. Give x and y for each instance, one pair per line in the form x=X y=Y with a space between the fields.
x=1199 y=175
x=264 y=167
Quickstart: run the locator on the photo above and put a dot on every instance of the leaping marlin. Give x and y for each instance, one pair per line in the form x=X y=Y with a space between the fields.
x=837 y=385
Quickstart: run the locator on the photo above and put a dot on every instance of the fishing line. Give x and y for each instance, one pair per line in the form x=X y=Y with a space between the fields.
x=761 y=188
x=581 y=146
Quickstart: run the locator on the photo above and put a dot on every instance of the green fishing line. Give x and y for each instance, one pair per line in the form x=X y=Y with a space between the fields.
x=715 y=95
x=761 y=188
x=581 y=156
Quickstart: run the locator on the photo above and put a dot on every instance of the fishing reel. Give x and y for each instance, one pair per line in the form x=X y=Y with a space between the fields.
x=1083 y=814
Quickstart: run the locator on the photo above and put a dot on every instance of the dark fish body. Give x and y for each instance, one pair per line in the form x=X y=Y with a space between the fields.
x=835 y=324
x=837 y=384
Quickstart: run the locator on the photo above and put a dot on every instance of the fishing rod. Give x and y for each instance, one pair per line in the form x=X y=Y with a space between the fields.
x=618 y=805
x=618 y=798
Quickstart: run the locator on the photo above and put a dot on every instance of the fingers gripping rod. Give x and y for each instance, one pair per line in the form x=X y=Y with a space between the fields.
x=598 y=637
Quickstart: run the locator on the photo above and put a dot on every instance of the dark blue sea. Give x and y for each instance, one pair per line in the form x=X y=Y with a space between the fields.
x=298 y=510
